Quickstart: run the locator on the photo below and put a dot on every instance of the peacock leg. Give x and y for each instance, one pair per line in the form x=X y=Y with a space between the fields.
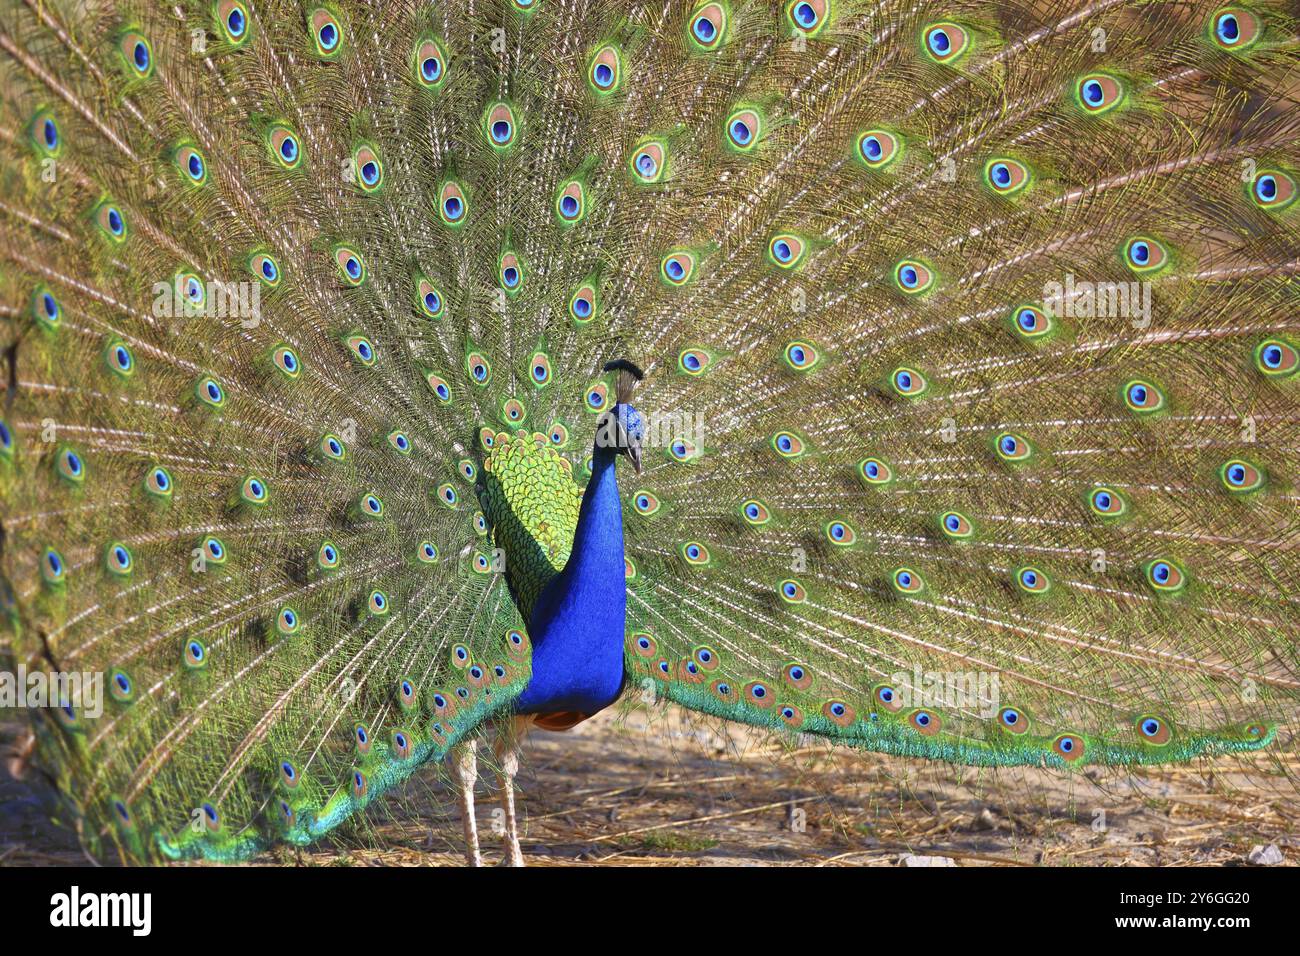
x=467 y=772
x=507 y=753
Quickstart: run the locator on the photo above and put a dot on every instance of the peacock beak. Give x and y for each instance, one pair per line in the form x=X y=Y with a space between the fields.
x=634 y=454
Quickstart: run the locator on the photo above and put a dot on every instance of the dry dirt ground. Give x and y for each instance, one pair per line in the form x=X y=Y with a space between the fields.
x=660 y=788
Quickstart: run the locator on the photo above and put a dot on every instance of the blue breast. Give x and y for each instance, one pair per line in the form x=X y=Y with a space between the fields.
x=577 y=624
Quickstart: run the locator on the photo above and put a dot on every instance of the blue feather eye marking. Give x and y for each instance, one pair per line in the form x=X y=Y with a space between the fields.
x=886 y=697
x=605 y=74
x=695 y=553
x=264 y=266
x=840 y=533
x=955 y=525
x=326 y=33
x=327 y=557
x=1098 y=93
x=399 y=441
x=792 y=592
x=480 y=372
x=913 y=277
x=874 y=471
x=1273 y=357
x=908 y=382
x=191 y=164
x=744 y=128
x=787 y=251
x=70 y=465
x=510 y=273
x=453 y=204
x=1144 y=254
x=945 y=42
x=1107 y=502
x=362 y=349
x=137 y=55
x=808 y=17
x=1031 y=322
x=351 y=267
x=678 y=267
x=755 y=512
x=331 y=446
x=1153 y=731
x=878 y=148
x=1031 y=580
x=907 y=581
x=694 y=361
x=369 y=168
x=707 y=27
x=1273 y=190
x=682 y=449
x=1164 y=575
x=1011 y=447
x=1006 y=176
x=1013 y=721
x=1234 y=29
x=282 y=142
x=53 y=569
x=646 y=503
x=158 y=482
x=46 y=309
x=371 y=505
x=287 y=622
x=649 y=162
x=45 y=134
x=787 y=444
x=439 y=387
x=499 y=125
x=194 y=654
x=429 y=64
x=209 y=392
x=801 y=356
x=117 y=559
x=571 y=202
x=582 y=306
x=1143 y=397
x=1239 y=475
x=597 y=396
x=111 y=222
x=232 y=20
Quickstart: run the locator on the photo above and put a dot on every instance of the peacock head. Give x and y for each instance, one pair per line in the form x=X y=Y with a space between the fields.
x=621 y=429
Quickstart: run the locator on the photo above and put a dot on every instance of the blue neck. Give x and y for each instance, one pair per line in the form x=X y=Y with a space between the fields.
x=577 y=625
x=598 y=540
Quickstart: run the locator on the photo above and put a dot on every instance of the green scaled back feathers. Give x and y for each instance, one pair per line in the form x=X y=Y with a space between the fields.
x=970 y=348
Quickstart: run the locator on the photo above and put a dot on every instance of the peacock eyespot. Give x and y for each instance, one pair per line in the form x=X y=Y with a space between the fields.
x=1153 y=731
x=945 y=42
x=1069 y=747
x=954 y=524
x=792 y=592
x=878 y=148
x=1107 y=502
x=907 y=581
x=1239 y=475
x=1143 y=396
x=1164 y=575
x=1143 y=254
x=1234 y=29
x=913 y=277
x=1098 y=93
x=1276 y=358
x=1273 y=190
x=743 y=130
x=708 y=26
x=1013 y=721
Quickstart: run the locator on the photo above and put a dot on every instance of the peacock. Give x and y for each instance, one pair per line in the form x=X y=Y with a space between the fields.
x=385 y=378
